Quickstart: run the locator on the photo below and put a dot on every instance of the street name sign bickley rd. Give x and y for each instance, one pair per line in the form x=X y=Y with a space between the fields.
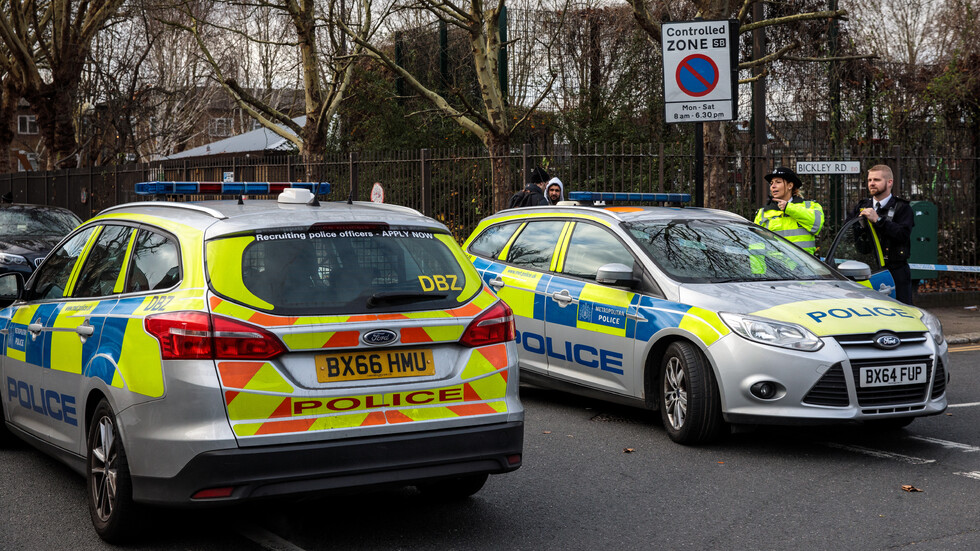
x=700 y=70
x=828 y=167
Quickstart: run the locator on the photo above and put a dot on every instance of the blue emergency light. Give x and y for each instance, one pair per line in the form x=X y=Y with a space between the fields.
x=226 y=188
x=617 y=196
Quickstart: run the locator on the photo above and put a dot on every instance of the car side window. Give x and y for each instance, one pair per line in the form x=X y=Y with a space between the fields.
x=535 y=244
x=155 y=264
x=493 y=239
x=591 y=247
x=104 y=263
x=51 y=278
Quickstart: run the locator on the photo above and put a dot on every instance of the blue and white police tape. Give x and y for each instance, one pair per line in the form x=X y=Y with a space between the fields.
x=945 y=268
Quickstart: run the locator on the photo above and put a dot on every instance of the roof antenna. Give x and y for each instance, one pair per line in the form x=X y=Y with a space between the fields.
x=350 y=196
x=313 y=202
x=241 y=199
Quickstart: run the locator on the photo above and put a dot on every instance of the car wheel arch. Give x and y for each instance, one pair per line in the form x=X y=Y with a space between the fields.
x=653 y=356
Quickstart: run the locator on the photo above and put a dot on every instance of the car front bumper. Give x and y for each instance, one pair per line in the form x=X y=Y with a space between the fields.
x=823 y=386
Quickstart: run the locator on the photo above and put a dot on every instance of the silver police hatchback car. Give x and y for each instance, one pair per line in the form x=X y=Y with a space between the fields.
x=190 y=354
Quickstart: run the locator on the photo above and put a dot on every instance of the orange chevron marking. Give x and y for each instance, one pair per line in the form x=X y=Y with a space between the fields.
x=467 y=311
x=394 y=416
x=469 y=394
x=495 y=354
x=215 y=301
x=342 y=339
x=414 y=335
x=472 y=409
x=277 y=427
x=385 y=317
x=363 y=317
x=267 y=320
x=230 y=395
x=238 y=374
x=285 y=409
x=374 y=418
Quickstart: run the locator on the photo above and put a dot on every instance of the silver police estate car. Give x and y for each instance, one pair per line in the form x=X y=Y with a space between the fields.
x=707 y=317
x=186 y=354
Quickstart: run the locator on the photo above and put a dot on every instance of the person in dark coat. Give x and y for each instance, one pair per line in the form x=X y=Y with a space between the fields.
x=893 y=220
x=533 y=193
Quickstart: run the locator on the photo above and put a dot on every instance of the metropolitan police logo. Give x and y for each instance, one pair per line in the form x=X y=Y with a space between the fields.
x=585 y=311
x=887 y=341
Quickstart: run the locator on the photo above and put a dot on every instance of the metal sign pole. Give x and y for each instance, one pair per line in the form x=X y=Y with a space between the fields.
x=699 y=164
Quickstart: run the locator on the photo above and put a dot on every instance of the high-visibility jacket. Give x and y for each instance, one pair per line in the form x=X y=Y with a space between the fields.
x=800 y=223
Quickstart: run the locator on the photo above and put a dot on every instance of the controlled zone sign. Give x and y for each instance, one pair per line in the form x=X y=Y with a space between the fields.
x=700 y=70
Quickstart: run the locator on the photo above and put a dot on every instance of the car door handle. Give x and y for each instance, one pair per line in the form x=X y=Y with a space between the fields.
x=85 y=330
x=496 y=283
x=562 y=298
x=35 y=328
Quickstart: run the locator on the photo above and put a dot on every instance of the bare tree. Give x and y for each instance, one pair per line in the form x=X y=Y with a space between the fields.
x=492 y=119
x=49 y=41
x=649 y=15
x=321 y=60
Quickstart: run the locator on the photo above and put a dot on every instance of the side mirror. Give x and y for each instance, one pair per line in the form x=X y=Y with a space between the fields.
x=852 y=269
x=11 y=287
x=616 y=274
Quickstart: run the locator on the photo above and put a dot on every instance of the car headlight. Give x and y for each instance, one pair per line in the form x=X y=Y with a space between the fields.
x=7 y=258
x=773 y=333
x=934 y=326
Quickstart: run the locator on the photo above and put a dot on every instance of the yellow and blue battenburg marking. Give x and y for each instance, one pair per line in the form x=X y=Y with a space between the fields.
x=226 y=188
x=594 y=308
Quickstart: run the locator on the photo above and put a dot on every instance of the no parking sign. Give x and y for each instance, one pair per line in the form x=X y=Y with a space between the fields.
x=700 y=70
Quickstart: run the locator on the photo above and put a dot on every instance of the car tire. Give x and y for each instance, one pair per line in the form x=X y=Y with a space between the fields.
x=450 y=489
x=690 y=406
x=109 y=486
x=892 y=423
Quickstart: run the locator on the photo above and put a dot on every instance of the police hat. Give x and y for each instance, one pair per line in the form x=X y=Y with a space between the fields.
x=785 y=174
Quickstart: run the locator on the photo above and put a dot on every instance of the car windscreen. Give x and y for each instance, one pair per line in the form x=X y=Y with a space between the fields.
x=37 y=221
x=341 y=269
x=715 y=251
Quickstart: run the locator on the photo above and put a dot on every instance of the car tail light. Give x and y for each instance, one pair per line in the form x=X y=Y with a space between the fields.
x=197 y=335
x=494 y=325
x=234 y=339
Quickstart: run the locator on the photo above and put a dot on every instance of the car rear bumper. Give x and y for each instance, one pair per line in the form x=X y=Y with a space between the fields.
x=282 y=470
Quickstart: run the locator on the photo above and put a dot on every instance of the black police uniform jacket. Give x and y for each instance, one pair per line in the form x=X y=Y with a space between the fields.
x=895 y=234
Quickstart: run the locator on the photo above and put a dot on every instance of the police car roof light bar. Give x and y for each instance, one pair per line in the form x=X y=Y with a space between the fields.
x=609 y=196
x=226 y=188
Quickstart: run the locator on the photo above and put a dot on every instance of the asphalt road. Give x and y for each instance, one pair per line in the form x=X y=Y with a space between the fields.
x=579 y=488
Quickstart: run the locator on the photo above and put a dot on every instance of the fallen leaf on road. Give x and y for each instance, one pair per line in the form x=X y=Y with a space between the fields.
x=628 y=450
x=721 y=462
x=547 y=432
x=910 y=488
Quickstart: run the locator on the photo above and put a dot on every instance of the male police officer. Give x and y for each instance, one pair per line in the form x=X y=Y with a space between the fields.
x=893 y=220
x=788 y=214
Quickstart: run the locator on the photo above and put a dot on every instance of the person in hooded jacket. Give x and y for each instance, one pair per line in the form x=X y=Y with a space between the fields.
x=788 y=214
x=533 y=193
x=555 y=191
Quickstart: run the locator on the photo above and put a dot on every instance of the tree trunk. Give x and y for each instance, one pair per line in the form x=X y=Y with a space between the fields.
x=498 y=147
x=56 y=124
x=715 y=166
x=8 y=110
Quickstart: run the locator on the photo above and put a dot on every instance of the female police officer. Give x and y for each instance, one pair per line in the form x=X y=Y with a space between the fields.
x=788 y=214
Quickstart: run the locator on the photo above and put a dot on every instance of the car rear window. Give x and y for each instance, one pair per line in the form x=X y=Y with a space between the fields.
x=341 y=269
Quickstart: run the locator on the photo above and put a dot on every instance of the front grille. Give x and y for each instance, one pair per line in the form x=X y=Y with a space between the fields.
x=891 y=395
x=939 y=384
x=830 y=390
x=907 y=337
